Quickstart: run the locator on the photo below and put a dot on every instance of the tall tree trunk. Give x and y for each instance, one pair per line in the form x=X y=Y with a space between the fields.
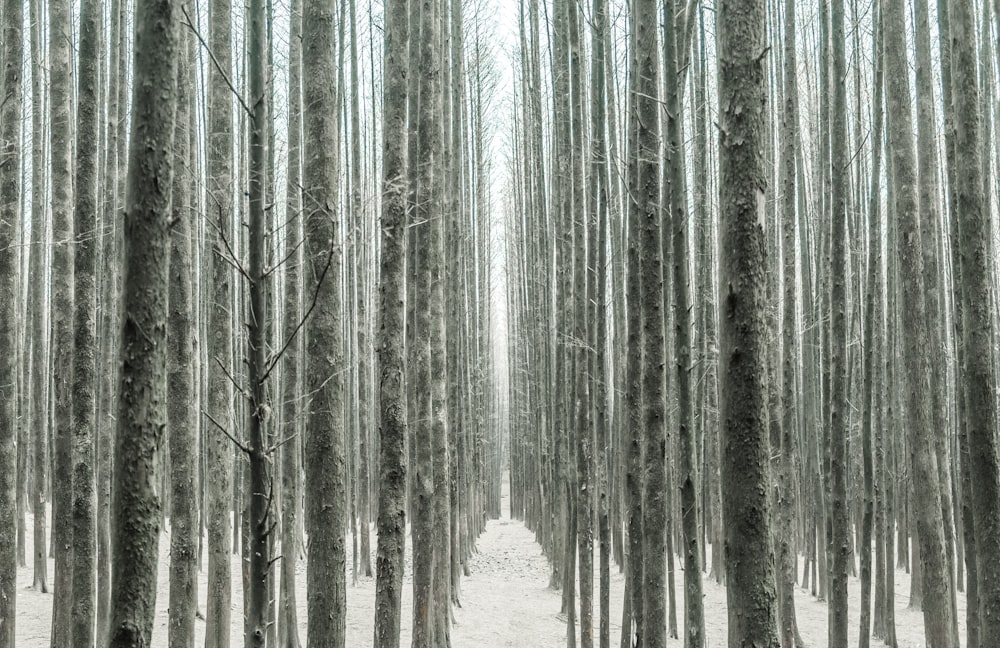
x=85 y=325
x=10 y=216
x=788 y=500
x=181 y=416
x=972 y=212
x=642 y=175
x=61 y=93
x=324 y=444
x=389 y=346
x=291 y=448
x=839 y=370
x=676 y=45
x=646 y=213
x=750 y=567
x=218 y=448
x=142 y=413
x=927 y=502
x=38 y=305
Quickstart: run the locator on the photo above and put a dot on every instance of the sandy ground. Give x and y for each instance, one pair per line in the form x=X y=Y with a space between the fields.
x=505 y=602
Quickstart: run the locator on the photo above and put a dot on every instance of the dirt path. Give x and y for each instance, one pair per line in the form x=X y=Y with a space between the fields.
x=506 y=602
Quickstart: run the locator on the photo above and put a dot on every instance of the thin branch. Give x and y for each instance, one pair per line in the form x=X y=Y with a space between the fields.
x=215 y=61
x=239 y=445
x=273 y=362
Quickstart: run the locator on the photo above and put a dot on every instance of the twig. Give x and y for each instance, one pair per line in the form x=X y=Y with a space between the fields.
x=273 y=362
x=215 y=61
x=226 y=432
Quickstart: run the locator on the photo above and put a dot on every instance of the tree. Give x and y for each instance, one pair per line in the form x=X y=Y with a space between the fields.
x=927 y=505
x=10 y=158
x=218 y=451
x=85 y=325
x=182 y=423
x=291 y=449
x=324 y=438
x=840 y=537
x=743 y=327
x=389 y=345
x=61 y=178
x=972 y=212
x=142 y=411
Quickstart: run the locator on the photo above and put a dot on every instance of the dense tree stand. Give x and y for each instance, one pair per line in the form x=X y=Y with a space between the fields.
x=669 y=312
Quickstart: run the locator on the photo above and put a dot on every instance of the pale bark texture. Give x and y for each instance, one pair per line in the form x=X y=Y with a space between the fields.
x=142 y=412
x=750 y=569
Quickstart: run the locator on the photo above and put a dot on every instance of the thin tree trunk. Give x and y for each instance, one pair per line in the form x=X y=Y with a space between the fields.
x=218 y=448
x=10 y=215
x=61 y=92
x=291 y=449
x=85 y=325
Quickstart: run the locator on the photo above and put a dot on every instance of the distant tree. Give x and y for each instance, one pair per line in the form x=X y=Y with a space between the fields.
x=142 y=413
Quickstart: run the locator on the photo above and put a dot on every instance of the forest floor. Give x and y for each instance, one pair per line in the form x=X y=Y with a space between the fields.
x=506 y=602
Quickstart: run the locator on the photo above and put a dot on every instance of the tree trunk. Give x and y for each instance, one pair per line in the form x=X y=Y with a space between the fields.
x=927 y=502
x=218 y=448
x=85 y=324
x=142 y=413
x=645 y=214
x=291 y=448
x=975 y=233
x=181 y=415
x=61 y=94
x=324 y=444
x=840 y=538
x=750 y=567
x=10 y=216
x=389 y=346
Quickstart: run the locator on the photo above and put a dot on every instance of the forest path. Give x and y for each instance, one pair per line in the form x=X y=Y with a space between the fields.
x=506 y=602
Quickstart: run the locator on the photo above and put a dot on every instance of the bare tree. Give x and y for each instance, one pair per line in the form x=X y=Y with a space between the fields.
x=142 y=412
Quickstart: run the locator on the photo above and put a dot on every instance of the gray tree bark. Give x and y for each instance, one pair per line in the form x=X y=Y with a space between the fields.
x=927 y=502
x=85 y=325
x=219 y=212
x=324 y=440
x=750 y=569
x=142 y=412
x=389 y=344
x=10 y=216
x=972 y=212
